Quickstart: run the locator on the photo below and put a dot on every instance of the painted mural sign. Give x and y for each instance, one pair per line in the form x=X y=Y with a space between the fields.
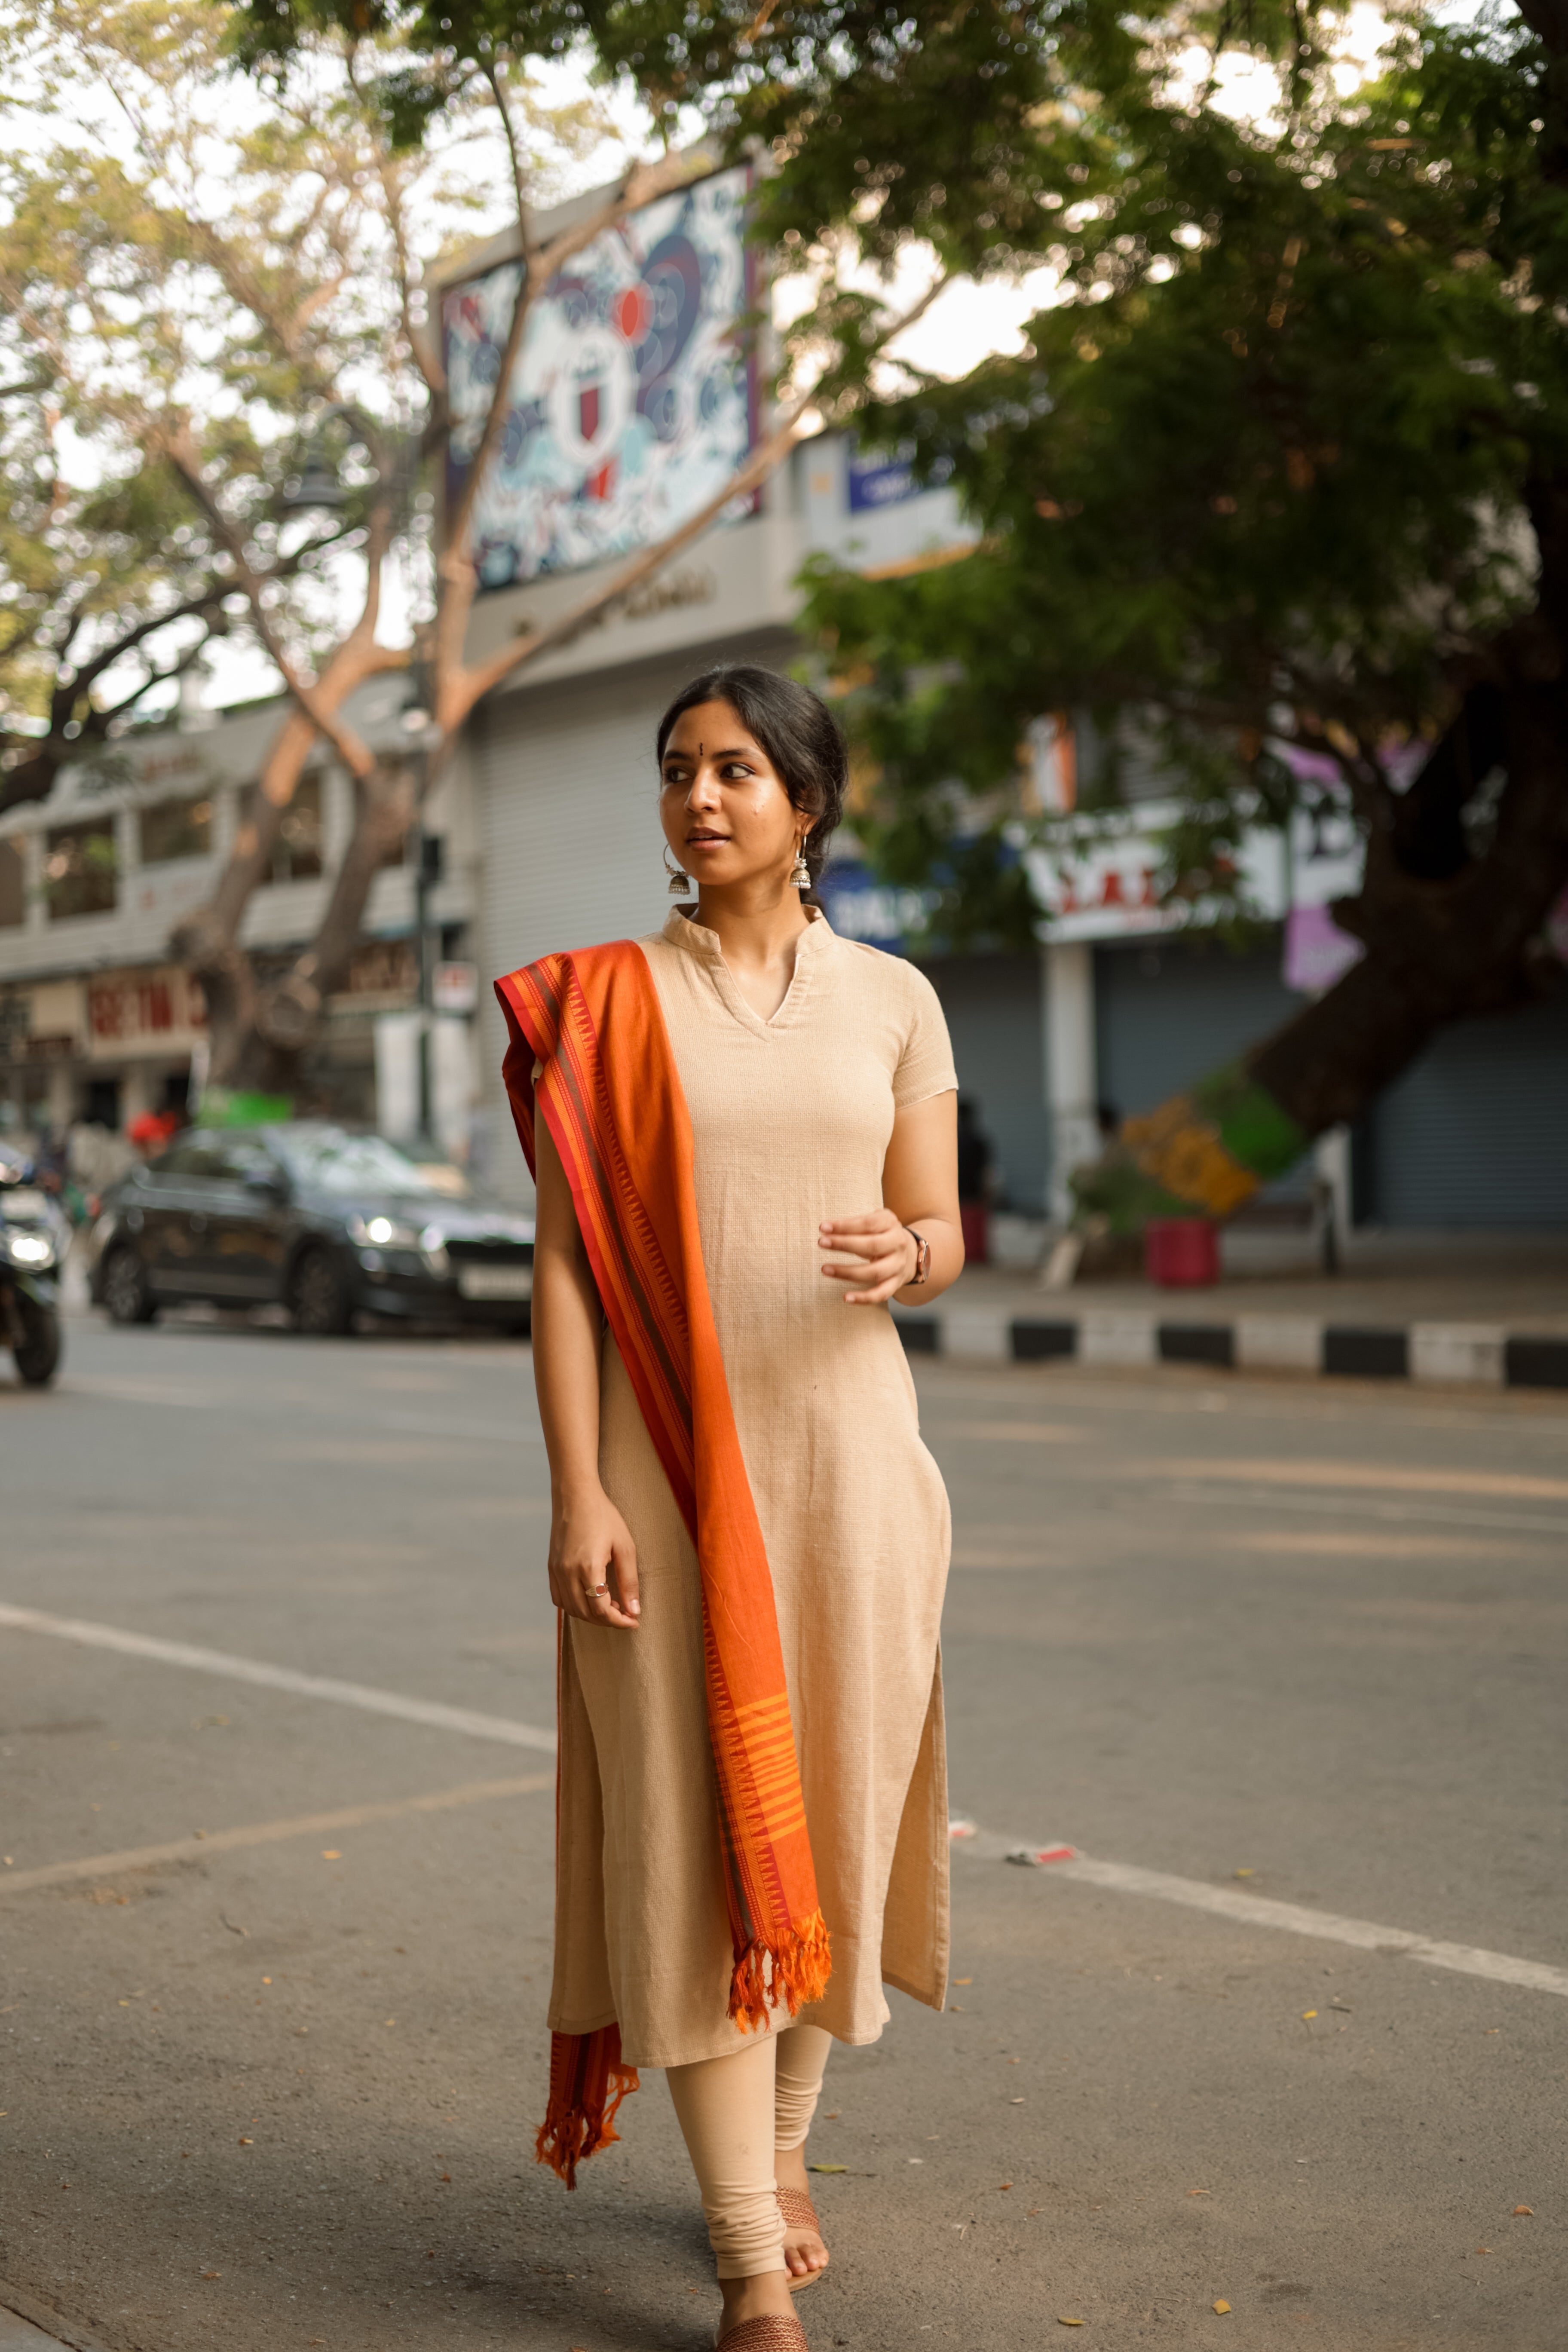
x=633 y=399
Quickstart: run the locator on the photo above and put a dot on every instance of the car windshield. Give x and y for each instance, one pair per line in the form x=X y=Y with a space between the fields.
x=334 y=1161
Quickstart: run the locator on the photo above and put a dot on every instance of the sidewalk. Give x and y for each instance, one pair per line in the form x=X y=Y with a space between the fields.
x=1488 y=1309
x=26 y=2327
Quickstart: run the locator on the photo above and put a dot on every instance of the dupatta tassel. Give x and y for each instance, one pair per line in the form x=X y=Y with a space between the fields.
x=795 y=1975
x=587 y=2084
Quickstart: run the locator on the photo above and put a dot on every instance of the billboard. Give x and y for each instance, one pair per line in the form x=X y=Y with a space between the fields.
x=633 y=399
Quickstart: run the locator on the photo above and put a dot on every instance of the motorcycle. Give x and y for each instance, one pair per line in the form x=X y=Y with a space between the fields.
x=34 y=1238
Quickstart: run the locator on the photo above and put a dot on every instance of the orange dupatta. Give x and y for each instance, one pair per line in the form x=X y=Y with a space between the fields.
x=612 y=1100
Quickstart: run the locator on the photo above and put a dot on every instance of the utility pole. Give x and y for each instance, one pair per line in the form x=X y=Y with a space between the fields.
x=428 y=869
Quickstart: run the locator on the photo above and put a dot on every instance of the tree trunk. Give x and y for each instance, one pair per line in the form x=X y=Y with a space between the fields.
x=1457 y=936
x=1440 y=946
x=286 y=1017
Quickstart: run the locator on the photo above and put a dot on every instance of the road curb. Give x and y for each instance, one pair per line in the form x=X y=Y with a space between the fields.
x=51 y=2328
x=1473 y=1354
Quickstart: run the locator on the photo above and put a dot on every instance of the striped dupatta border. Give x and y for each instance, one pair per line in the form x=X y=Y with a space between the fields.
x=612 y=1100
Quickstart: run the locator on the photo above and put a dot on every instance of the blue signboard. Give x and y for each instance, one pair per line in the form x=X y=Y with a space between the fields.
x=879 y=480
x=878 y=914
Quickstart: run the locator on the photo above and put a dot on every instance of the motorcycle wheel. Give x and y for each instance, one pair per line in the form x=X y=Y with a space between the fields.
x=38 y=1353
x=319 y=1296
x=125 y=1291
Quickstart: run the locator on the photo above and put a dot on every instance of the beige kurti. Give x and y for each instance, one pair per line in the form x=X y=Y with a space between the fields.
x=791 y=1119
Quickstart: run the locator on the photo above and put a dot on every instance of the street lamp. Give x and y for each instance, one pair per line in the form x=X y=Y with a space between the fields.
x=317 y=487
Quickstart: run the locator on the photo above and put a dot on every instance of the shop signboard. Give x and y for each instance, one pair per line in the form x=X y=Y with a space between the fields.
x=1100 y=878
x=156 y=1010
x=43 y=1021
x=455 y=987
x=634 y=397
x=1326 y=860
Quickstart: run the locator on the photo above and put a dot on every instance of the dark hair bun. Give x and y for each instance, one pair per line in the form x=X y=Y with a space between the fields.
x=794 y=728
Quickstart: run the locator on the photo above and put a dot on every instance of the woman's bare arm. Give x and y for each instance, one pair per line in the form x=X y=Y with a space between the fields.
x=590 y=1543
x=920 y=1189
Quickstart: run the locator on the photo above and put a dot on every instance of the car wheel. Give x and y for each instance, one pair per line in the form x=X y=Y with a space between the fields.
x=125 y=1291
x=38 y=1352
x=319 y=1296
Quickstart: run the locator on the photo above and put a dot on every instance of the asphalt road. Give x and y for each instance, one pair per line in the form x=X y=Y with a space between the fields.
x=273 y=2084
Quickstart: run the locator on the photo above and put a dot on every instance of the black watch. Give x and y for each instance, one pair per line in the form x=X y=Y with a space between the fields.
x=923 y=1259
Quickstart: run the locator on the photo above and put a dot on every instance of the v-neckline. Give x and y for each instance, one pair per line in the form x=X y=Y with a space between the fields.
x=685 y=932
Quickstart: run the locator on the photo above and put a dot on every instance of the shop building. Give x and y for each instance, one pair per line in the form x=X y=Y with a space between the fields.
x=1123 y=1004
x=97 y=1023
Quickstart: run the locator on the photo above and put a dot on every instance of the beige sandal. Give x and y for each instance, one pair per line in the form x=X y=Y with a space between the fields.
x=800 y=2213
x=769 y=2334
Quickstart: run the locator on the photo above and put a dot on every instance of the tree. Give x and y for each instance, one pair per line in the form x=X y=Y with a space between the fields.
x=197 y=320
x=879 y=134
x=208 y=288
x=1285 y=465
x=107 y=595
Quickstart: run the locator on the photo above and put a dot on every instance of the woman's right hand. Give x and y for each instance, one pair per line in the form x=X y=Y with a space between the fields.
x=593 y=1562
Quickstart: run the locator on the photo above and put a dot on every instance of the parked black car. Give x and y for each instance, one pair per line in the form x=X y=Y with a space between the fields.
x=321 y=1219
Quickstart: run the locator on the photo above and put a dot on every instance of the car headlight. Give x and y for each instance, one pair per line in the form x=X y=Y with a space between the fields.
x=30 y=1249
x=433 y=1243
x=384 y=1233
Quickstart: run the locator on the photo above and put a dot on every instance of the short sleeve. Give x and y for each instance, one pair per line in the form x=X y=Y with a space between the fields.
x=925 y=1065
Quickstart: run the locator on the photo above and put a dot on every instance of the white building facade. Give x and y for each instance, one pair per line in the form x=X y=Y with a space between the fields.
x=97 y=1023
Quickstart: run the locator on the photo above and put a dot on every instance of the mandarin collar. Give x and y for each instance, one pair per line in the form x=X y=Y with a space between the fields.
x=683 y=930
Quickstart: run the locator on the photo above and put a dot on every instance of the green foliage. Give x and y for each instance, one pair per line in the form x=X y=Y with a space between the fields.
x=960 y=850
x=1273 y=463
x=1251 y=1124
x=878 y=125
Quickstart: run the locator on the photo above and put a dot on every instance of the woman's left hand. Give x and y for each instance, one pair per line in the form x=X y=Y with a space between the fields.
x=886 y=1249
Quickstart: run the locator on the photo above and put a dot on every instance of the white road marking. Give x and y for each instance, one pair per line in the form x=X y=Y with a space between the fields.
x=201 y=1842
x=1116 y=1877
x=1264 y=1499
x=1355 y=1475
x=1262 y=1911
x=283 y=1403
x=251 y=1670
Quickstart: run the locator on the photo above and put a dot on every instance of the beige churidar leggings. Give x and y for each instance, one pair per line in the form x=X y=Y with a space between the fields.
x=734 y=2113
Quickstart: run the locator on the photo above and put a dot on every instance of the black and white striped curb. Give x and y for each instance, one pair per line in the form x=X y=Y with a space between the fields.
x=1481 y=1354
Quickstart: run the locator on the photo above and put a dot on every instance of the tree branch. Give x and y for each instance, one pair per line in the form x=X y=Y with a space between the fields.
x=351 y=749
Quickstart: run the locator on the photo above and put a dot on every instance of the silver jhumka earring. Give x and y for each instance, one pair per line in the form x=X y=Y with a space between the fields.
x=680 y=882
x=800 y=879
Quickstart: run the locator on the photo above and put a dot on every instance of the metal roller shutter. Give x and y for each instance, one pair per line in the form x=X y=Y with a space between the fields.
x=1475 y=1132
x=993 y=1007
x=1167 y=1010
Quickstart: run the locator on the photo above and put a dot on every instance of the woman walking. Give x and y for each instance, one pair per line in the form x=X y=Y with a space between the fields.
x=742 y=1129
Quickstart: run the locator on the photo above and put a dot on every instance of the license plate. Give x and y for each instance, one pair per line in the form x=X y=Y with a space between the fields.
x=496 y=1281
x=24 y=1201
